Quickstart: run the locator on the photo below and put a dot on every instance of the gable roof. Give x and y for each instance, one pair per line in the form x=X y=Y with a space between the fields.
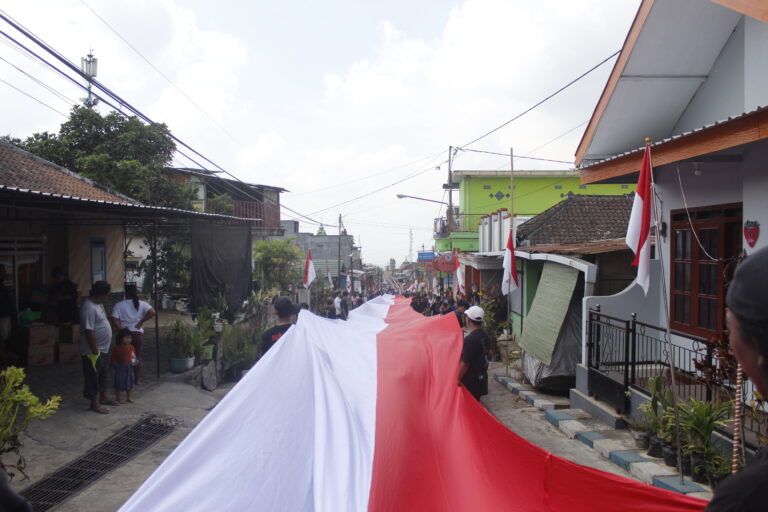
x=22 y=170
x=30 y=181
x=662 y=64
x=578 y=219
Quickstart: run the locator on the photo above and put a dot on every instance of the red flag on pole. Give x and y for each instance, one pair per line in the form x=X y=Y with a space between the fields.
x=640 y=222
x=459 y=274
x=509 y=283
x=309 y=270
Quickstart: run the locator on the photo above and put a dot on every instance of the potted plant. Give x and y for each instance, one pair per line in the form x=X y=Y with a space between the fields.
x=641 y=433
x=698 y=420
x=183 y=341
x=204 y=349
x=668 y=435
x=718 y=467
x=653 y=411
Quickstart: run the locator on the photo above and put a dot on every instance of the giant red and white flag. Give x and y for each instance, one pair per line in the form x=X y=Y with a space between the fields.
x=309 y=270
x=509 y=283
x=365 y=415
x=459 y=274
x=640 y=222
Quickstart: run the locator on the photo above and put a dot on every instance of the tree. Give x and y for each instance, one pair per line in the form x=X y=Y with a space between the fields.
x=278 y=264
x=223 y=204
x=120 y=153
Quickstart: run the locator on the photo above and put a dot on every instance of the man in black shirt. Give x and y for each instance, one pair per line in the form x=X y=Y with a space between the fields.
x=285 y=311
x=747 y=318
x=345 y=305
x=473 y=367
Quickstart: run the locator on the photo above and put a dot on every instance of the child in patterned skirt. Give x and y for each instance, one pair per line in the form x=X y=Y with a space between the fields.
x=122 y=361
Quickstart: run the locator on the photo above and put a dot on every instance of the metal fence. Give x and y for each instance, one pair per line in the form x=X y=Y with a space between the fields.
x=629 y=353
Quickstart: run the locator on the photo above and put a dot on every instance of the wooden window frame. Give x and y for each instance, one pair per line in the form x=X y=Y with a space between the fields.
x=720 y=224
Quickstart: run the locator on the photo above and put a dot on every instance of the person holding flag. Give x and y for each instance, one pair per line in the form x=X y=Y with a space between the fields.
x=641 y=220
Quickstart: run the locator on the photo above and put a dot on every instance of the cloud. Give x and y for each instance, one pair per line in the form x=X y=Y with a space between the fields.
x=358 y=126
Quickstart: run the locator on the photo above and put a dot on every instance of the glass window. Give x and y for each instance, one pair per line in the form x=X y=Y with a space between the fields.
x=98 y=260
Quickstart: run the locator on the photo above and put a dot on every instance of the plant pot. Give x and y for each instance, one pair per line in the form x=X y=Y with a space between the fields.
x=716 y=479
x=206 y=352
x=686 y=463
x=654 y=447
x=670 y=454
x=641 y=438
x=698 y=468
x=181 y=364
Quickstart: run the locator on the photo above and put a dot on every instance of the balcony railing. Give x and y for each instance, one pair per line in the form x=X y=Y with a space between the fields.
x=461 y=222
x=268 y=214
x=630 y=353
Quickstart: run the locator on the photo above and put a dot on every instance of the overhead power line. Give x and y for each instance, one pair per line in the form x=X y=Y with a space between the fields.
x=165 y=77
x=517 y=156
x=32 y=97
x=521 y=114
x=124 y=104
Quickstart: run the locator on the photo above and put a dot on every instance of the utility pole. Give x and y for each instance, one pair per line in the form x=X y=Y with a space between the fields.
x=89 y=67
x=338 y=281
x=450 y=191
x=410 y=244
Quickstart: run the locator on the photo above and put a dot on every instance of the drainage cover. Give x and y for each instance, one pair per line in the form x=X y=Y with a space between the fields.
x=112 y=453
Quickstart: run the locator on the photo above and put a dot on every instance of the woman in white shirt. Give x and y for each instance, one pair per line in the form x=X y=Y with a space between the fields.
x=131 y=313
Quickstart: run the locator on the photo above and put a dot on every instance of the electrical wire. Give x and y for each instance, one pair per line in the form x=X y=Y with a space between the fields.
x=42 y=84
x=32 y=97
x=122 y=103
x=561 y=89
x=171 y=82
x=516 y=156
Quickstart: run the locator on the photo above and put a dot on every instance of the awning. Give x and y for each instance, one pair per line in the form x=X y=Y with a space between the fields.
x=543 y=323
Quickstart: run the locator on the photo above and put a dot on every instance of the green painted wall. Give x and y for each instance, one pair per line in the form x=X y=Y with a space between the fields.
x=533 y=195
x=531 y=275
x=466 y=241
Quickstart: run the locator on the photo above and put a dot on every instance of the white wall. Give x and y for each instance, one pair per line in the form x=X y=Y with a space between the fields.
x=722 y=94
x=755 y=64
x=755 y=191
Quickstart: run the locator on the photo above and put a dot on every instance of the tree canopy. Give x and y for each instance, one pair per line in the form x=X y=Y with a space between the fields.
x=121 y=153
x=278 y=264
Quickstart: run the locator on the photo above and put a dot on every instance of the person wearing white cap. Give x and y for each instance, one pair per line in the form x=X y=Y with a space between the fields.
x=473 y=367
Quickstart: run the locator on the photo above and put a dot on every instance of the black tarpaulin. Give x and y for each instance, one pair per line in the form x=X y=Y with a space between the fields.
x=221 y=263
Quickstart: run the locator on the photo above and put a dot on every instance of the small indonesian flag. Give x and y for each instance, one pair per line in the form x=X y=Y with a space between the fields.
x=309 y=270
x=640 y=222
x=349 y=282
x=459 y=274
x=509 y=283
x=330 y=279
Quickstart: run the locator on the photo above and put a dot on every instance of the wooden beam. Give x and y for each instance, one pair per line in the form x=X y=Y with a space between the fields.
x=757 y=9
x=726 y=135
x=613 y=80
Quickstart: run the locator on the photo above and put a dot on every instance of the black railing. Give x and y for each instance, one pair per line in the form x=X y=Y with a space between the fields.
x=629 y=353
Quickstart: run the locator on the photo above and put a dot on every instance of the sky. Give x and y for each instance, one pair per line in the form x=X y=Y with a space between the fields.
x=343 y=103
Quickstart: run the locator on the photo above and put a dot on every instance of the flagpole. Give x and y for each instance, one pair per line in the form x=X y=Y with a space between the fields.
x=512 y=230
x=670 y=352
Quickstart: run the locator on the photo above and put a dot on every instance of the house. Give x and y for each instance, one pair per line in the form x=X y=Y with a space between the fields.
x=330 y=253
x=573 y=249
x=701 y=102
x=483 y=192
x=52 y=217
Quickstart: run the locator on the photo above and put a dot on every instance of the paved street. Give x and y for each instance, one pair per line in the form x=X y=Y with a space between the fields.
x=529 y=423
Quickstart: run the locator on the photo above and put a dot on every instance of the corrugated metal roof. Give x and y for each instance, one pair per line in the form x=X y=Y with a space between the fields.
x=674 y=137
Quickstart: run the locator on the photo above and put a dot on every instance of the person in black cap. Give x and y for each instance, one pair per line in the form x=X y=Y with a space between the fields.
x=747 y=318
x=285 y=310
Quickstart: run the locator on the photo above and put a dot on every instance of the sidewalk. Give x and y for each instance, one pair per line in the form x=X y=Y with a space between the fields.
x=615 y=448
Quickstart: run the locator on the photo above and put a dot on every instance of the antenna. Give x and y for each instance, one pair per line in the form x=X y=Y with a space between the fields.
x=89 y=66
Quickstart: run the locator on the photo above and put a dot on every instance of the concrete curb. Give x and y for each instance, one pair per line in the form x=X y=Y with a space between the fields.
x=615 y=445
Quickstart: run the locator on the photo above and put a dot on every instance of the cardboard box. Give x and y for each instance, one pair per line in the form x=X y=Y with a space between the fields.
x=69 y=333
x=40 y=335
x=69 y=352
x=40 y=356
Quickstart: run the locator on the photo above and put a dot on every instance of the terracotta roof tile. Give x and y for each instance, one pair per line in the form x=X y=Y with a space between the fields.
x=578 y=219
x=21 y=169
